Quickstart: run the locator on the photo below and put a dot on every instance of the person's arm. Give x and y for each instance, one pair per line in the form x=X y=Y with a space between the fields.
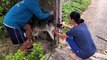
x=68 y=27
x=34 y=7
x=59 y=34
x=28 y=31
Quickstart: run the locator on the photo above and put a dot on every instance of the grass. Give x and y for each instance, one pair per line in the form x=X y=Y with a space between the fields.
x=74 y=5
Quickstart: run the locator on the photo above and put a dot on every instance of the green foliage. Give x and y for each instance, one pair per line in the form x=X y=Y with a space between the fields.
x=4 y=7
x=2 y=33
x=6 y=4
x=2 y=56
x=36 y=54
x=74 y=5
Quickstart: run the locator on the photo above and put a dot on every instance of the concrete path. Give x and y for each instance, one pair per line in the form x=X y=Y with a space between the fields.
x=96 y=18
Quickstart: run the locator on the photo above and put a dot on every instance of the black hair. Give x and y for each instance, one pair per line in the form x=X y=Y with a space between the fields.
x=76 y=16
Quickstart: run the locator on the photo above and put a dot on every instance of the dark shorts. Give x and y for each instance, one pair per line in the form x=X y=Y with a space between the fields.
x=16 y=35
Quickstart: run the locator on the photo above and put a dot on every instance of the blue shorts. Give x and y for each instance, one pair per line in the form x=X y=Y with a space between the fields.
x=77 y=50
x=16 y=35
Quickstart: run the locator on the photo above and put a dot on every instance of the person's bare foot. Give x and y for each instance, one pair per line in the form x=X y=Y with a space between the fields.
x=74 y=56
x=30 y=44
x=25 y=45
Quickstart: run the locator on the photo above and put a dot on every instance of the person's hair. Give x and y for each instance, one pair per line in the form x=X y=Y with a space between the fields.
x=76 y=16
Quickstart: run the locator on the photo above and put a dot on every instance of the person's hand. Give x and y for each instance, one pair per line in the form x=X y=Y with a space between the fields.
x=52 y=12
x=53 y=31
x=66 y=26
x=63 y=24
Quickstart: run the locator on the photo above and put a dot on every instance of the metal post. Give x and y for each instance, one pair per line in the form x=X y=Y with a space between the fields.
x=58 y=16
x=60 y=2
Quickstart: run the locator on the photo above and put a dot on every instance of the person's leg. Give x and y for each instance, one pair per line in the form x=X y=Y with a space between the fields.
x=13 y=35
x=25 y=45
x=28 y=42
x=17 y=37
x=76 y=51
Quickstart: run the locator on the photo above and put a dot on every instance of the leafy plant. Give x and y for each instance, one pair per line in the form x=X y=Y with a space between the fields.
x=3 y=32
x=4 y=7
x=74 y=5
x=36 y=54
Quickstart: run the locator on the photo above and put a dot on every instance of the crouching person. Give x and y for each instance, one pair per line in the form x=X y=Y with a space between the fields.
x=78 y=38
x=17 y=19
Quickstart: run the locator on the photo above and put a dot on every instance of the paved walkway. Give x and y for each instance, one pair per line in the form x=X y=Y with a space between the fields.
x=96 y=19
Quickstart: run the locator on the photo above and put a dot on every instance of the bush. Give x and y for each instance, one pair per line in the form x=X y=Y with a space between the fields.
x=36 y=54
x=5 y=5
x=2 y=33
x=74 y=5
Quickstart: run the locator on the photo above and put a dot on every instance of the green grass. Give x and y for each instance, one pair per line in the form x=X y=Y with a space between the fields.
x=74 y=5
x=36 y=54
